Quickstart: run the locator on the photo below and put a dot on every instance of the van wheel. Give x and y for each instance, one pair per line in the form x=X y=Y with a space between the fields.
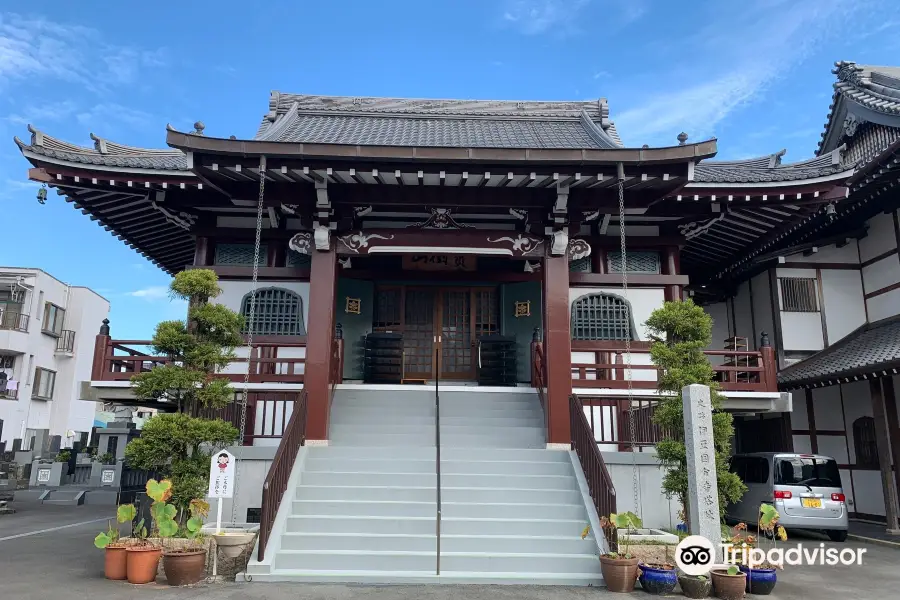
x=837 y=536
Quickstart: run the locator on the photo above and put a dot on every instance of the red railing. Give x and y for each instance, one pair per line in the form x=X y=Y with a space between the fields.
x=600 y=484
x=269 y=362
x=276 y=481
x=735 y=370
x=539 y=372
x=608 y=420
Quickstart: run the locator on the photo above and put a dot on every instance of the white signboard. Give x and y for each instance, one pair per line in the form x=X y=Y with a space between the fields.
x=221 y=475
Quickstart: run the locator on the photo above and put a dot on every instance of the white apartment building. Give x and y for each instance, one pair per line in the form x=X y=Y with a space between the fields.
x=47 y=331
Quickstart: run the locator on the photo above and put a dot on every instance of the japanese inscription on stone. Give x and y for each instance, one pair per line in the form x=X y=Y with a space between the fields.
x=703 y=496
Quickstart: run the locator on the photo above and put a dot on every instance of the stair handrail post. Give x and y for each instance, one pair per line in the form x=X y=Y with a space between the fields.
x=437 y=444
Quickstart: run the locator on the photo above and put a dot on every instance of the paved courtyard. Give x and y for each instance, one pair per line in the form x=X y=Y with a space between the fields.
x=47 y=552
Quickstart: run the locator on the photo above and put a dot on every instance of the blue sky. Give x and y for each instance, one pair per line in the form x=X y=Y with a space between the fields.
x=756 y=74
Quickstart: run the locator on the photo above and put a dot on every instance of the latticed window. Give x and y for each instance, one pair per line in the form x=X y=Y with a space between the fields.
x=864 y=442
x=601 y=317
x=297 y=260
x=582 y=265
x=798 y=294
x=278 y=312
x=238 y=255
x=638 y=262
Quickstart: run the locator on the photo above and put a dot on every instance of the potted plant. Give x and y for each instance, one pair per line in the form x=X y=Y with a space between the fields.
x=695 y=586
x=730 y=583
x=106 y=459
x=143 y=557
x=658 y=578
x=187 y=565
x=619 y=568
x=761 y=579
x=114 y=566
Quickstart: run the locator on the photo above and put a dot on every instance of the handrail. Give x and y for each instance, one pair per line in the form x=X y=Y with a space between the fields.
x=599 y=482
x=280 y=472
x=437 y=444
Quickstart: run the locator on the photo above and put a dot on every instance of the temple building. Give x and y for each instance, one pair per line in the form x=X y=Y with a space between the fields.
x=506 y=253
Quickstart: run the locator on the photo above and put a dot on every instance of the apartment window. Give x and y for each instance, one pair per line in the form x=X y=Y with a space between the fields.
x=637 y=262
x=53 y=319
x=864 y=442
x=239 y=255
x=278 y=312
x=7 y=361
x=798 y=294
x=44 y=382
x=602 y=317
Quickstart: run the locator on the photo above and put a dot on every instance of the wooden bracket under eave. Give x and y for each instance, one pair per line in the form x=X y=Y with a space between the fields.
x=40 y=174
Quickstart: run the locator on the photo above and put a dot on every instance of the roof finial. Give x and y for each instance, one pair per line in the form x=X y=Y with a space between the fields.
x=682 y=138
x=199 y=127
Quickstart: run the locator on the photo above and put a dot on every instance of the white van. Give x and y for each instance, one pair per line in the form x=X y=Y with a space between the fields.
x=805 y=489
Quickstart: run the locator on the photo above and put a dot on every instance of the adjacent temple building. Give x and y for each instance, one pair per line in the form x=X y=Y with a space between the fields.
x=508 y=251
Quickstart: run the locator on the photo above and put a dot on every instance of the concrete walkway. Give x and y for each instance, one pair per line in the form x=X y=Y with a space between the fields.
x=866 y=532
x=48 y=552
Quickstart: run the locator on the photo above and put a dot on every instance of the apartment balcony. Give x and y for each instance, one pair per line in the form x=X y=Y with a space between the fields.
x=14 y=332
x=13 y=321
x=65 y=343
x=9 y=394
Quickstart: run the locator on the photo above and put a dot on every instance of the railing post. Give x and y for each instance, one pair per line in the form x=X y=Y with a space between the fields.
x=769 y=373
x=101 y=343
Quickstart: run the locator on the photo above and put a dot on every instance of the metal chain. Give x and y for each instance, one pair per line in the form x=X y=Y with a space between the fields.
x=628 y=373
x=250 y=325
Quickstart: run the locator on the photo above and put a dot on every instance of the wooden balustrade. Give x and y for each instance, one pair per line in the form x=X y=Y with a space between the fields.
x=599 y=482
x=268 y=414
x=276 y=481
x=269 y=362
x=745 y=371
x=608 y=420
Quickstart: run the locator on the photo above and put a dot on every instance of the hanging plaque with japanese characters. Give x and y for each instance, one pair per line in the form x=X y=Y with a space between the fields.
x=439 y=262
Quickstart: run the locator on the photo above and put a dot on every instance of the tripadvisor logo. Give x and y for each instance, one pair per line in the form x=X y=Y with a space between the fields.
x=696 y=555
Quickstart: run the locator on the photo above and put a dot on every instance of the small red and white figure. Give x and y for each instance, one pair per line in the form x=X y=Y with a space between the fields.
x=223 y=462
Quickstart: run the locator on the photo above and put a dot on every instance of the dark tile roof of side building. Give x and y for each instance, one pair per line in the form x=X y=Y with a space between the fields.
x=438 y=123
x=769 y=168
x=872 y=349
x=105 y=153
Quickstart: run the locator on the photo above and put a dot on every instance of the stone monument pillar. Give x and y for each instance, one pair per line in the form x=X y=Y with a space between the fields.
x=703 y=491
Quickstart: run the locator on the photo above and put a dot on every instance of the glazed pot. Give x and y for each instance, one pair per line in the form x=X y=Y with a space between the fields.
x=142 y=563
x=619 y=574
x=656 y=580
x=728 y=587
x=184 y=568
x=760 y=582
x=114 y=563
x=693 y=587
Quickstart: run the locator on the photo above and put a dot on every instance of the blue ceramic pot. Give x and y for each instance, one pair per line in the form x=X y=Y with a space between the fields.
x=760 y=582
x=657 y=581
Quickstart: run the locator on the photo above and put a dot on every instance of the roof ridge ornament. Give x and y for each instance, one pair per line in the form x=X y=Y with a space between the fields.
x=682 y=138
x=99 y=144
x=775 y=159
x=37 y=136
x=198 y=128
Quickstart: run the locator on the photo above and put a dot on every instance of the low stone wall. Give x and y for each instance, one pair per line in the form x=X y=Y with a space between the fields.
x=654 y=509
x=226 y=568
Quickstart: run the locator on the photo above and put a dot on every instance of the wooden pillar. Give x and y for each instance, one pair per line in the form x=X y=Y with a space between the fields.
x=201 y=251
x=893 y=423
x=672 y=266
x=557 y=348
x=101 y=346
x=882 y=435
x=598 y=259
x=322 y=291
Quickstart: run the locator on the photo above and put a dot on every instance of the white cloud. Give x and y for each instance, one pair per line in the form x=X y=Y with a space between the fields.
x=736 y=55
x=35 y=47
x=100 y=115
x=601 y=74
x=539 y=16
x=152 y=293
x=54 y=111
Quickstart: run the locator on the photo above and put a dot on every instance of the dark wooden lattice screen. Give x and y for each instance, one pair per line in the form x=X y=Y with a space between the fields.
x=638 y=262
x=864 y=442
x=296 y=260
x=238 y=254
x=486 y=313
x=278 y=312
x=601 y=317
x=582 y=265
x=798 y=294
x=388 y=308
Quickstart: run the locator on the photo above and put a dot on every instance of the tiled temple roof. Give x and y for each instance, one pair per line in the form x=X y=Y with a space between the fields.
x=438 y=123
x=104 y=153
x=767 y=169
x=871 y=349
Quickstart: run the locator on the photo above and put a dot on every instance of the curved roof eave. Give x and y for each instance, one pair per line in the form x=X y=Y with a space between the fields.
x=189 y=142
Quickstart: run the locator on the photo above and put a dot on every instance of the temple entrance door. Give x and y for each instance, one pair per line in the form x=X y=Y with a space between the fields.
x=436 y=319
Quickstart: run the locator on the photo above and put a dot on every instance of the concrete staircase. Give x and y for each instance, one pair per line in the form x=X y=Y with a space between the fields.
x=363 y=509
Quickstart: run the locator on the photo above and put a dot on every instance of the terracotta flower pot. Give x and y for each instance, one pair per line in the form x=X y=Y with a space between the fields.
x=728 y=587
x=142 y=563
x=114 y=563
x=184 y=568
x=619 y=574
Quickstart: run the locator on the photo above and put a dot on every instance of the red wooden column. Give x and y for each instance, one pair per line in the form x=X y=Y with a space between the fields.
x=322 y=290
x=557 y=348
